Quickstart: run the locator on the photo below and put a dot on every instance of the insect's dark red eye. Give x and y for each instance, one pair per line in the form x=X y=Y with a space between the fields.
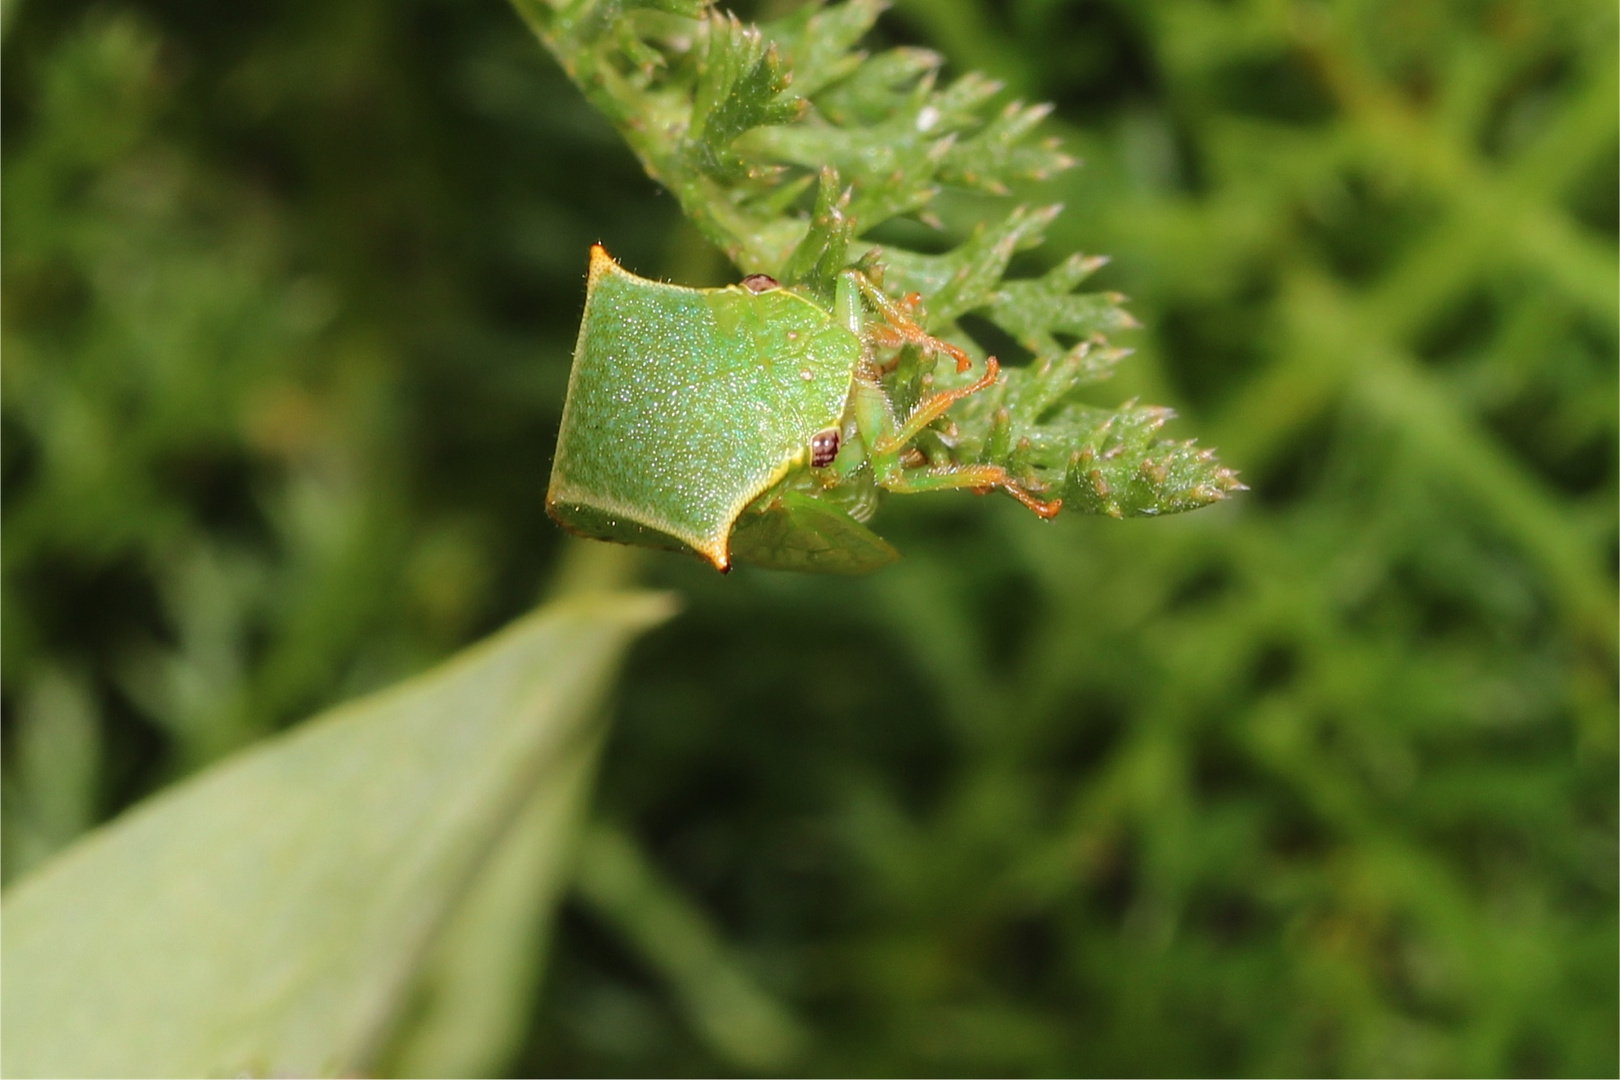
x=823 y=448
x=758 y=283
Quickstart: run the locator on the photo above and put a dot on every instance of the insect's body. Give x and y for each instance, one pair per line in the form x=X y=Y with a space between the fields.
x=687 y=404
x=745 y=422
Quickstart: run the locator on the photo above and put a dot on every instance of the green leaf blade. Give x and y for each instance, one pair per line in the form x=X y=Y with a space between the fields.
x=269 y=915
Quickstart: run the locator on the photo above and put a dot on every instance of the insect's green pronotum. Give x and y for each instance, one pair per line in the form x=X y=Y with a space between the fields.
x=748 y=423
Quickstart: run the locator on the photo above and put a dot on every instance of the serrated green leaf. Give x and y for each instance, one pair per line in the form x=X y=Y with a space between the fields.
x=1123 y=469
x=965 y=278
x=716 y=124
x=1034 y=310
x=1001 y=153
x=740 y=86
x=824 y=251
x=819 y=42
x=273 y=912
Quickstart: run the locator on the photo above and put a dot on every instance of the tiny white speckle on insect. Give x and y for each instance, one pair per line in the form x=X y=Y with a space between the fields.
x=806 y=374
x=927 y=117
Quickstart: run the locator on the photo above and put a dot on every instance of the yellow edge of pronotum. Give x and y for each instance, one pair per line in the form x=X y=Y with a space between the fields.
x=715 y=548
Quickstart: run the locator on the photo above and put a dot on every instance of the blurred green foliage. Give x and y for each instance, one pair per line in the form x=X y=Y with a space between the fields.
x=1319 y=781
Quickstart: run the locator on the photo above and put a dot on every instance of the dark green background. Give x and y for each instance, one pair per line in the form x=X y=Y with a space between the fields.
x=1318 y=781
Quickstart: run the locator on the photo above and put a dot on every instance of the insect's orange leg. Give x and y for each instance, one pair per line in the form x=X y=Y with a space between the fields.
x=899 y=327
x=932 y=408
x=981 y=478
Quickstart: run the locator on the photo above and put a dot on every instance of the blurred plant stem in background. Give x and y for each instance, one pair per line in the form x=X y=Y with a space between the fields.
x=1322 y=782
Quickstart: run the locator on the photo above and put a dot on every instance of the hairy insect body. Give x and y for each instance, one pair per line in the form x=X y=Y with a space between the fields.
x=685 y=405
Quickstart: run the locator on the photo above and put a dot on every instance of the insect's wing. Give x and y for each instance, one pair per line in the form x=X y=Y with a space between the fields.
x=796 y=532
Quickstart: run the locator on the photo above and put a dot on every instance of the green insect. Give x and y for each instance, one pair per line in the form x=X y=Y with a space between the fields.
x=748 y=423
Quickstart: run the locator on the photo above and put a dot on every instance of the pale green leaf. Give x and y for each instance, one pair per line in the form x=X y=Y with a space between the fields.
x=472 y=1004
x=272 y=914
